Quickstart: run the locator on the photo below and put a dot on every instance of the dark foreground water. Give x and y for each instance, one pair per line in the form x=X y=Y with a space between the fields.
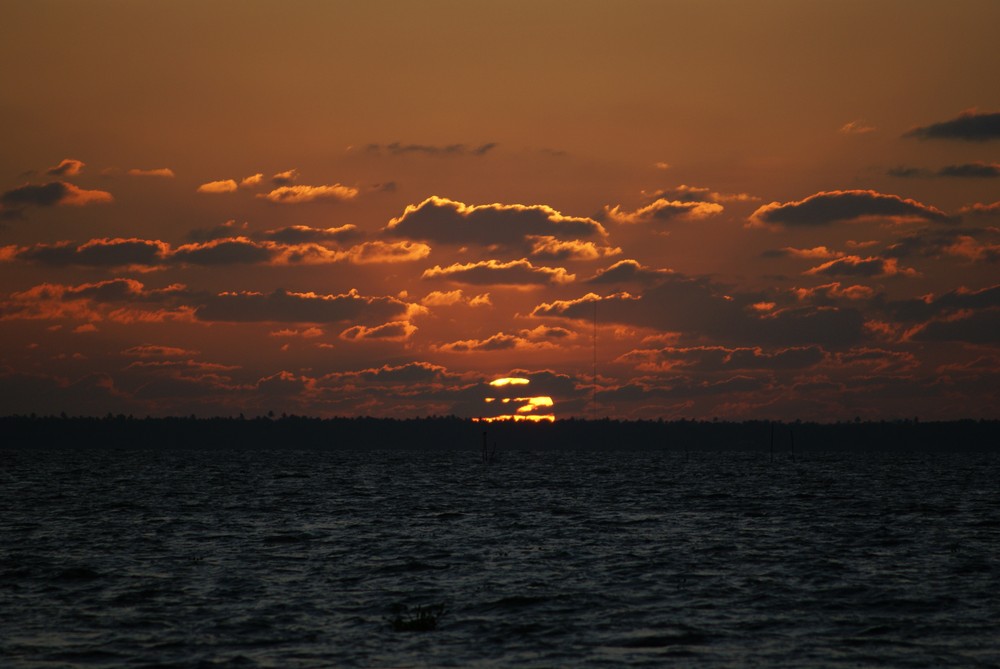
x=558 y=558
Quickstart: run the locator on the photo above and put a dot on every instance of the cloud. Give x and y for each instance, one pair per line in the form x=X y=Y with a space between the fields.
x=118 y=300
x=970 y=126
x=394 y=331
x=980 y=209
x=228 y=229
x=224 y=186
x=831 y=293
x=685 y=193
x=858 y=266
x=286 y=178
x=843 y=206
x=163 y=172
x=550 y=248
x=302 y=194
x=252 y=181
x=387 y=252
x=399 y=149
x=938 y=242
x=698 y=307
x=976 y=170
x=974 y=327
x=817 y=252
x=223 y=252
x=67 y=167
x=528 y=340
x=493 y=272
x=51 y=194
x=664 y=210
x=857 y=127
x=506 y=226
x=628 y=271
x=305 y=333
x=283 y=306
x=157 y=351
x=449 y=298
x=151 y=254
x=946 y=305
x=722 y=359
x=300 y=234
x=106 y=252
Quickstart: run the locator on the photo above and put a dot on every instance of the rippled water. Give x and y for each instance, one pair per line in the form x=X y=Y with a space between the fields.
x=555 y=558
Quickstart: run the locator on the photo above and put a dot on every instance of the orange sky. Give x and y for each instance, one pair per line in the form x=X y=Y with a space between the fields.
x=780 y=209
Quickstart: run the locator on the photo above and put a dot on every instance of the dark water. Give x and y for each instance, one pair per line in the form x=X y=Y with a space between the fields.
x=558 y=558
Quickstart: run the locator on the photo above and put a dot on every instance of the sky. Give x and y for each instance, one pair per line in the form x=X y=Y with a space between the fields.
x=676 y=209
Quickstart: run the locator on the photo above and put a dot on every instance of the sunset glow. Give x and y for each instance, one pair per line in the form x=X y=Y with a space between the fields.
x=722 y=209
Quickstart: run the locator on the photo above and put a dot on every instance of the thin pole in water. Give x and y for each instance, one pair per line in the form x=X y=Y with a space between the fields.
x=772 y=441
x=594 y=400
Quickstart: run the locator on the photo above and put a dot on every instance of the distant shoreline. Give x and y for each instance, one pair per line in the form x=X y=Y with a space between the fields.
x=450 y=432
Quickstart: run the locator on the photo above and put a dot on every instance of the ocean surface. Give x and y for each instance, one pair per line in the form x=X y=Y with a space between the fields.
x=555 y=558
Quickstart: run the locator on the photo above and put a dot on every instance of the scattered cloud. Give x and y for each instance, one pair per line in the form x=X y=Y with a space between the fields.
x=252 y=181
x=400 y=149
x=971 y=126
x=830 y=207
x=163 y=172
x=67 y=167
x=228 y=229
x=857 y=127
x=301 y=194
x=387 y=252
x=980 y=209
x=53 y=193
x=224 y=186
x=106 y=252
x=858 y=266
x=723 y=359
x=817 y=252
x=493 y=272
x=628 y=271
x=302 y=234
x=975 y=170
x=157 y=351
x=449 y=298
x=550 y=248
x=664 y=210
x=498 y=342
x=286 y=178
x=685 y=193
x=282 y=306
x=500 y=226
x=394 y=331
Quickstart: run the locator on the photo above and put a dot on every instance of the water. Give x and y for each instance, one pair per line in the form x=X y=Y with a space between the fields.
x=282 y=558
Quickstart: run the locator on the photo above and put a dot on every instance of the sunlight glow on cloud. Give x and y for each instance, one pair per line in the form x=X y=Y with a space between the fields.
x=301 y=194
x=664 y=210
x=496 y=273
x=224 y=186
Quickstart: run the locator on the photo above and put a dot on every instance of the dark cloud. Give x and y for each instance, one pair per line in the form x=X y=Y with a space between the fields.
x=977 y=170
x=978 y=327
x=399 y=149
x=843 y=206
x=964 y=243
x=970 y=126
x=411 y=372
x=52 y=193
x=628 y=271
x=98 y=253
x=288 y=307
x=946 y=304
x=504 y=226
x=721 y=359
x=301 y=234
x=493 y=272
x=228 y=229
x=223 y=252
x=858 y=266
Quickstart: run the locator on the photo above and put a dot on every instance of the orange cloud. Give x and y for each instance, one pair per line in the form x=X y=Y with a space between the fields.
x=858 y=266
x=664 y=210
x=387 y=252
x=164 y=172
x=550 y=248
x=224 y=186
x=493 y=272
x=156 y=351
x=439 y=298
x=301 y=194
x=498 y=342
x=394 y=331
x=857 y=127
x=53 y=193
x=67 y=167
x=252 y=181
